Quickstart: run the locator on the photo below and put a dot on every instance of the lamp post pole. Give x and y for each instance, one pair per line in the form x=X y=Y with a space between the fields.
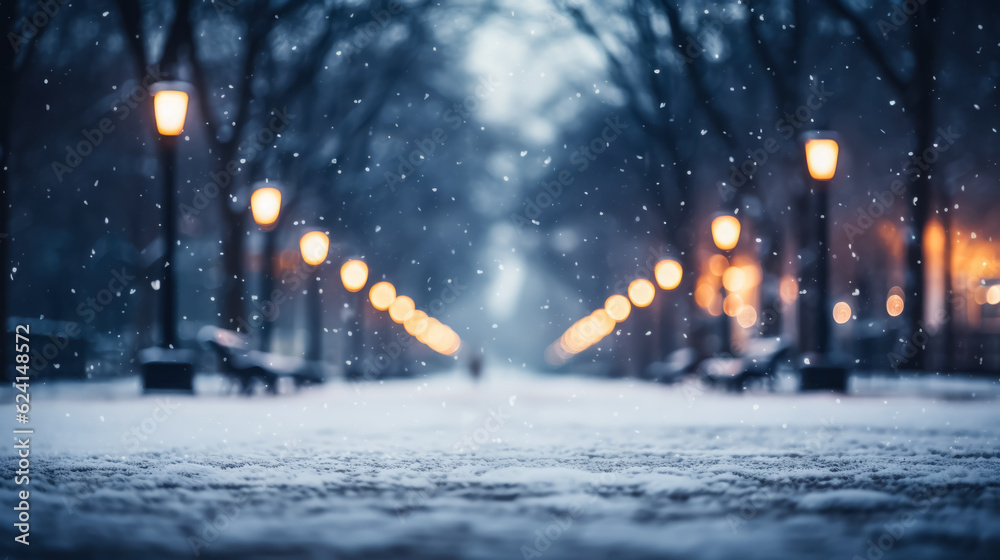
x=314 y=246
x=168 y=301
x=354 y=276
x=822 y=302
x=314 y=352
x=727 y=328
x=267 y=286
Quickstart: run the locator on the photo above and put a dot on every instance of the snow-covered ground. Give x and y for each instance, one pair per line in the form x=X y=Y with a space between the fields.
x=516 y=467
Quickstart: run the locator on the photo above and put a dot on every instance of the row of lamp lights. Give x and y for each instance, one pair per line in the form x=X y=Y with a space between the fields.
x=595 y=327
x=436 y=335
x=727 y=287
x=265 y=205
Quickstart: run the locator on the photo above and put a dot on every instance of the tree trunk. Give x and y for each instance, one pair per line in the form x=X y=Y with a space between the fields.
x=916 y=277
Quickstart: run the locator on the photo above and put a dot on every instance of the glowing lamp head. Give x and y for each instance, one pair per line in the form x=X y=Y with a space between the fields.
x=725 y=232
x=993 y=294
x=382 y=295
x=668 y=274
x=170 y=104
x=618 y=307
x=821 y=158
x=354 y=275
x=842 y=312
x=265 y=205
x=641 y=292
x=895 y=303
x=314 y=247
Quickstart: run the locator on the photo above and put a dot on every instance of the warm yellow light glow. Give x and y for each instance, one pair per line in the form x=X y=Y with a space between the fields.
x=821 y=158
x=170 y=109
x=430 y=333
x=401 y=309
x=841 y=312
x=605 y=324
x=717 y=264
x=732 y=305
x=894 y=305
x=747 y=317
x=444 y=340
x=618 y=307
x=734 y=279
x=265 y=205
x=382 y=295
x=788 y=289
x=751 y=275
x=980 y=295
x=454 y=343
x=641 y=292
x=725 y=232
x=354 y=275
x=314 y=247
x=417 y=320
x=993 y=295
x=668 y=274
x=705 y=293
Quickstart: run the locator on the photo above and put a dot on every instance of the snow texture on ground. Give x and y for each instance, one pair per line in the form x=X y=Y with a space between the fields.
x=516 y=467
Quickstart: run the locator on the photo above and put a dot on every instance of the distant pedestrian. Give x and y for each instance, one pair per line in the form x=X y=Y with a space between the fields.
x=476 y=367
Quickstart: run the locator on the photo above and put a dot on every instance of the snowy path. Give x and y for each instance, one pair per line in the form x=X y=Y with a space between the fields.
x=563 y=468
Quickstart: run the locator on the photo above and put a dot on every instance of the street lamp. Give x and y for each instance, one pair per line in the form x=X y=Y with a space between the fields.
x=668 y=274
x=725 y=232
x=382 y=295
x=265 y=205
x=726 y=235
x=819 y=372
x=166 y=367
x=354 y=276
x=641 y=292
x=314 y=246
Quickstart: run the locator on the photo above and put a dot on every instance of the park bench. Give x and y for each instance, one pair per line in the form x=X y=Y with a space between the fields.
x=678 y=364
x=248 y=367
x=758 y=362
